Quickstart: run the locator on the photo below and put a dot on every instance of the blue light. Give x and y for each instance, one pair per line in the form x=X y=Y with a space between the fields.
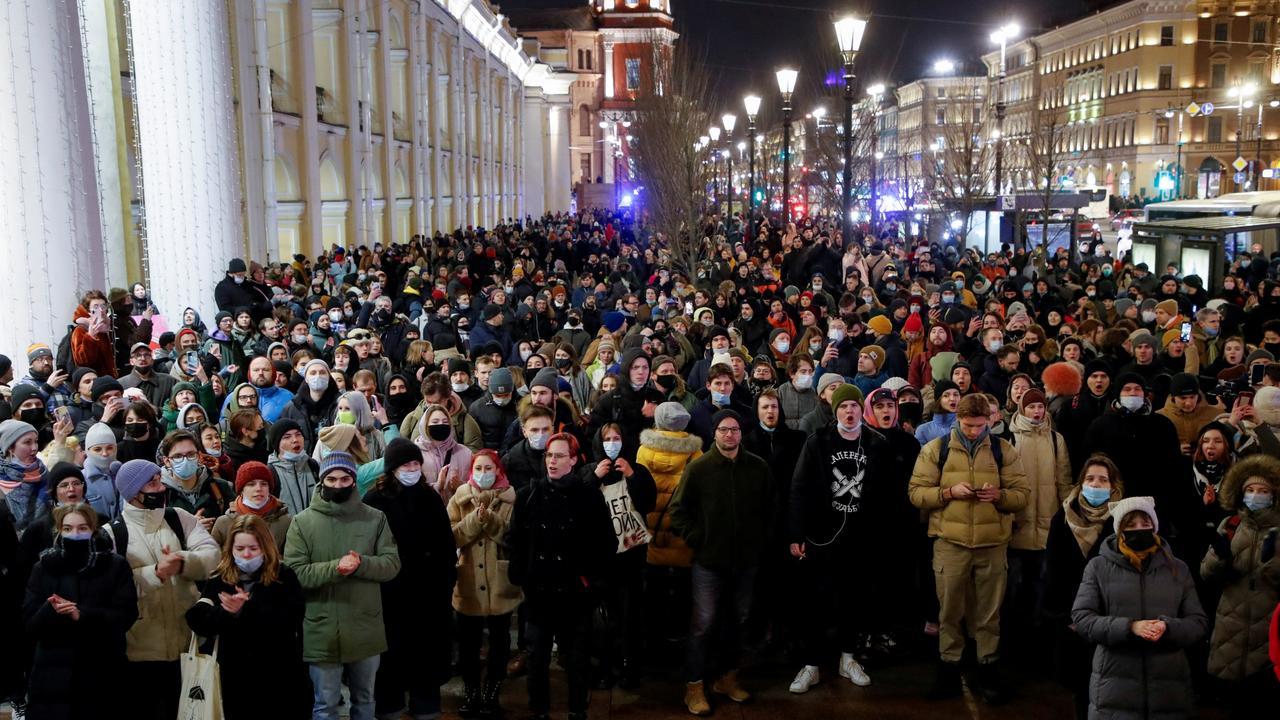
x=627 y=199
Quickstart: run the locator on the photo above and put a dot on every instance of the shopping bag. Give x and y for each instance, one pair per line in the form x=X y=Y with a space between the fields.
x=201 y=697
x=628 y=523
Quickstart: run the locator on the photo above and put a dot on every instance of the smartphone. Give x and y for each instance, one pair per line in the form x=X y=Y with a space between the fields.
x=688 y=308
x=191 y=360
x=1256 y=373
x=1246 y=398
x=62 y=413
x=1186 y=332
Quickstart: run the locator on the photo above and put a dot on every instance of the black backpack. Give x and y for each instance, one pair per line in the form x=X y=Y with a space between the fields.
x=120 y=532
x=63 y=359
x=996 y=450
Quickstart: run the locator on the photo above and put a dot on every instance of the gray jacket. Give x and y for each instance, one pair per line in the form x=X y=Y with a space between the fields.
x=1134 y=678
x=297 y=481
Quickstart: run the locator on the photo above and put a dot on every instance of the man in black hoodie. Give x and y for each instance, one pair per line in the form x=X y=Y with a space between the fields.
x=1074 y=418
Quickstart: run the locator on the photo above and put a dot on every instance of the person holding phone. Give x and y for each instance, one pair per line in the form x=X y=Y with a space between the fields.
x=91 y=345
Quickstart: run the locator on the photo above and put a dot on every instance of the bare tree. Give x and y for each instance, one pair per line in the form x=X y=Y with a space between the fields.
x=1043 y=150
x=671 y=114
x=966 y=160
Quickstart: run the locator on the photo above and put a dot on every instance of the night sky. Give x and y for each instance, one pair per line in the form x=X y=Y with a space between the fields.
x=744 y=41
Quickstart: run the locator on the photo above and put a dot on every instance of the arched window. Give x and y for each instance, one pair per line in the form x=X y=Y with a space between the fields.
x=584 y=120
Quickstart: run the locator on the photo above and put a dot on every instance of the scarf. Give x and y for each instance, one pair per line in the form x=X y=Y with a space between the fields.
x=1084 y=520
x=1138 y=559
x=242 y=508
x=340 y=437
x=14 y=473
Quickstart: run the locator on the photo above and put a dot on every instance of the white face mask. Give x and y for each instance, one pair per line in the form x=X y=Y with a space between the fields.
x=613 y=448
x=835 y=335
x=256 y=505
x=1148 y=316
x=319 y=383
x=802 y=381
x=408 y=477
x=460 y=387
x=1132 y=402
x=485 y=479
x=848 y=428
x=538 y=441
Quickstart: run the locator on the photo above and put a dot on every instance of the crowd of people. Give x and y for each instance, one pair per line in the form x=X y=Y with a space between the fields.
x=381 y=467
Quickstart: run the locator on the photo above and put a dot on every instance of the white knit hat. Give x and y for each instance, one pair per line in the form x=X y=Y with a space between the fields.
x=99 y=434
x=1144 y=504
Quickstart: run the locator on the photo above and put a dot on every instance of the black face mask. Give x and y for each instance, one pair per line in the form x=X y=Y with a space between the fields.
x=1139 y=540
x=563 y=363
x=135 y=429
x=153 y=500
x=666 y=382
x=439 y=433
x=33 y=416
x=910 y=413
x=335 y=494
x=75 y=551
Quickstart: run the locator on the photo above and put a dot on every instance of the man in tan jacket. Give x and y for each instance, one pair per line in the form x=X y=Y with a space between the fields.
x=971 y=484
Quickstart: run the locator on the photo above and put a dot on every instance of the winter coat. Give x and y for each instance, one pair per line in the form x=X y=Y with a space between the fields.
x=343 y=621
x=1144 y=446
x=819 y=417
x=263 y=640
x=724 y=509
x=277 y=520
x=1188 y=424
x=78 y=665
x=296 y=481
x=1250 y=586
x=310 y=414
x=211 y=494
x=969 y=523
x=1065 y=563
x=465 y=428
x=523 y=464
x=484 y=586
x=665 y=453
x=795 y=403
x=161 y=633
x=1073 y=419
x=92 y=351
x=1048 y=469
x=493 y=419
x=939 y=426
x=1135 y=678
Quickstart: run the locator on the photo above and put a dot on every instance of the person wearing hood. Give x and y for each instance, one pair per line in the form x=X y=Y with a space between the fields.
x=445 y=461
x=402 y=397
x=560 y=542
x=257 y=493
x=314 y=405
x=1242 y=562
x=352 y=408
x=23 y=474
x=169 y=551
x=416 y=602
x=183 y=396
x=80 y=601
x=100 y=467
x=1143 y=445
x=190 y=485
x=821 y=415
x=947 y=398
x=295 y=473
x=246 y=438
x=1047 y=465
x=438 y=390
x=342 y=551
x=632 y=404
x=1137 y=604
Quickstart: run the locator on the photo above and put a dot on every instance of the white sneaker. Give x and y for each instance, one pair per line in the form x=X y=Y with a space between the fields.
x=850 y=668
x=805 y=679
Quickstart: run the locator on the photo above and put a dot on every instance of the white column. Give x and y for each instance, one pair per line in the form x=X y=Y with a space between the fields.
x=100 y=51
x=534 y=175
x=52 y=236
x=186 y=120
x=256 y=129
x=559 y=181
x=608 y=70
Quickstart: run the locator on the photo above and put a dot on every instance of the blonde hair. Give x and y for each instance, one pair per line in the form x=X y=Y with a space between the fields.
x=258 y=528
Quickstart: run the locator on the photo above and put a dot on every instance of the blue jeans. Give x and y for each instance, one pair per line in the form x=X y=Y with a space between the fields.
x=327 y=681
x=709 y=587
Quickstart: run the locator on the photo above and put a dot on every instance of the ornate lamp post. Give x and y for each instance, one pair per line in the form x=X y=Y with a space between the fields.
x=849 y=33
x=786 y=86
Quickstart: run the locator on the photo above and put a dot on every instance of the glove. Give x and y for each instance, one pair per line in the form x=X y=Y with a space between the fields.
x=1222 y=546
x=1269 y=545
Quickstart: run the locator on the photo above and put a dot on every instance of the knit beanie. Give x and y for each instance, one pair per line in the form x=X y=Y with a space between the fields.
x=723 y=415
x=1259 y=354
x=23 y=392
x=1184 y=384
x=11 y=431
x=880 y=324
x=278 y=429
x=61 y=471
x=316 y=361
x=913 y=324
x=104 y=384
x=400 y=452
x=671 y=416
x=845 y=393
x=132 y=476
x=828 y=379
x=1143 y=504
x=877 y=355
x=337 y=461
x=254 y=470
x=1170 y=307
x=1030 y=397
x=99 y=433
x=941 y=386
x=547 y=378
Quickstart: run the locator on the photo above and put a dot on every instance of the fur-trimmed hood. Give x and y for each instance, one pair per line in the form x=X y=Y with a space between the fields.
x=1232 y=493
x=678 y=442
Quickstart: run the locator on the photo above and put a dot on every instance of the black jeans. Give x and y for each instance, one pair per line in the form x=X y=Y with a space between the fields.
x=711 y=588
x=830 y=584
x=624 y=603
x=159 y=700
x=568 y=624
x=471 y=636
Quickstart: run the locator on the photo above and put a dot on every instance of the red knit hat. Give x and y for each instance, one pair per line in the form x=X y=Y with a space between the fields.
x=913 y=323
x=254 y=470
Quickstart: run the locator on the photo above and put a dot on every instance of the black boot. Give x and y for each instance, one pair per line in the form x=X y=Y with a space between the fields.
x=946 y=682
x=490 y=705
x=991 y=684
x=471 y=702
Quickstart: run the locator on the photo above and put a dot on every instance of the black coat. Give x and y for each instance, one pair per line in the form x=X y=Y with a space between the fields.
x=259 y=649
x=493 y=419
x=1073 y=422
x=417 y=603
x=14 y=567
x=523 y=465
x=560 y=542
x=1065 y=563
x=1145 y=447
x=309 y=414
x=78 y=664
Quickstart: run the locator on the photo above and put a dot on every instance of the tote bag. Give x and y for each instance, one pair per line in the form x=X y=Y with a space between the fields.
x=201 y=697
x=628 y=524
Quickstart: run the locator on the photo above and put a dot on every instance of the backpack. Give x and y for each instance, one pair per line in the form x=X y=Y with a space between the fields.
x=63 y=358
x=120 y=531
x=996 y=450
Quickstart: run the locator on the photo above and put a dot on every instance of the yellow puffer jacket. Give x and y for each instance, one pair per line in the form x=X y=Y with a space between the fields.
x=666 y=453
x=1048 y=469
x=969 y=523
x=483 y=587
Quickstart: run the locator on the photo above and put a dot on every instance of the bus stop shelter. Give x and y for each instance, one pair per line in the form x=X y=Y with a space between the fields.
x=1203 y=246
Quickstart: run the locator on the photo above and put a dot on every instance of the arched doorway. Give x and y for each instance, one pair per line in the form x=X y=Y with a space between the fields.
x=1209 y=178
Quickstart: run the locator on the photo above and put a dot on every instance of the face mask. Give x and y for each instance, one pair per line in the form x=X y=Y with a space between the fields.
x=335 y=316
x=211 y=452
x=464 y=304
x=802 y=381
x=299 y=339
x=1132 y=402
x=719 y=398
x=346 y=417
x=1095 y=496
x=78 y=536
x=135 y=430
x=409 y=478
x=835 y=335
x=561 y=364
x=613 y=448
x=256 y=504
x=848 y=428
x=185 y=467
x=293 y=457
x=1211 y=331
x=153 y=501
x=948 y=299
x=250 y=566
x=666 y=382
x=539 y=441
x=1148 y=316
x=959 y=284
x=33 y=416
x=336 y=495
x=782 y=346
x=501 y=401
x=318 y=383
x=993 y=346
x=98 y=462
x=460 y=387
x=238 y=279
x=525 y=354
x=439 y=433
x=814 y=348
x=1139 y=540
x=1090 y=293
x=508 y=289
x=484 y=480
x=1256 y=501
x=890 y=286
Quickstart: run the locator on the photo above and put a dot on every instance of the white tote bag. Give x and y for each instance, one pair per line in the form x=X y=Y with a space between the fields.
x=628 y=523
x=201 y=697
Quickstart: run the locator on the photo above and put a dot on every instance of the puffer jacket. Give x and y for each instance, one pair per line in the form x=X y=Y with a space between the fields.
x=1188 y=424
x=1134 y=678
x=666 y=453
x=483 y=587
x=296 y=481
x=1047 y=464
x=1251 y=587
x=343 y=622
x=277 y=520
x=795 y=403
x=161 y=632
x=969 y=523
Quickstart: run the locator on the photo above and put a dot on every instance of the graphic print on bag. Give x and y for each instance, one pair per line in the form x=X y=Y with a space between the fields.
x=848 y=468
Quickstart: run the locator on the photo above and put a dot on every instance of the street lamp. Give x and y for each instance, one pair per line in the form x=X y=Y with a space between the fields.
x=944 y=66
x=849 y=31
x=752 y=105
x=786 y=86
x=876 y=92
x=1002 y=36
x=729 y=121
x=1241 y=93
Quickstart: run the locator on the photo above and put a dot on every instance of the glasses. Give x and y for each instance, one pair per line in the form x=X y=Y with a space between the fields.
x=70 y=484
x=558 y=456
x=246 y=398
x=185 y=456
x=728 y=431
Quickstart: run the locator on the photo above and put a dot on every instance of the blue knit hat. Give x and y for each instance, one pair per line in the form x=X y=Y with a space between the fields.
x=337 y=461
x=132 y=476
